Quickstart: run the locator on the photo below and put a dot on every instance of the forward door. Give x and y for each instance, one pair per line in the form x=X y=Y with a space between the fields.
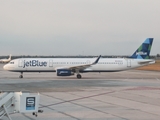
x=21 y=63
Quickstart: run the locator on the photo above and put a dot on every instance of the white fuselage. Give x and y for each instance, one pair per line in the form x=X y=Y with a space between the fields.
x=51 y=64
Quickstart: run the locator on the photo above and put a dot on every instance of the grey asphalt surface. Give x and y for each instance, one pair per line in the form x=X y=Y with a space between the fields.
x=127 y=95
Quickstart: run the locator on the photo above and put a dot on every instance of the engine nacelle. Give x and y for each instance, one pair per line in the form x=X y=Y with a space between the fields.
x=64 y=72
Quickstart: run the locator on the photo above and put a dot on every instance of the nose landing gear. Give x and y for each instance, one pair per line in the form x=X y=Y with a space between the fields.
x=21 y=75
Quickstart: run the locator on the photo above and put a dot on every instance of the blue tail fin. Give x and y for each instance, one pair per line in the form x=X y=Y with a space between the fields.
x=143 y=51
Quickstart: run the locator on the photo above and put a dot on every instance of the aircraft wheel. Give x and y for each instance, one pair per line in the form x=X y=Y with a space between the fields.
x=79 y=76
x=21 y=76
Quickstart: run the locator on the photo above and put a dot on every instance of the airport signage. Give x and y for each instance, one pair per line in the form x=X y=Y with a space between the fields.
x=30 y=103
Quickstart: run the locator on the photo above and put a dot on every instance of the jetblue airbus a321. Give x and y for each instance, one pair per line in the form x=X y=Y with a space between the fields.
x=71 y=66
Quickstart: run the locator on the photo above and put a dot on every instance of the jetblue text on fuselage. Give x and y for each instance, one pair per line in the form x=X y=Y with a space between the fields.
x=63 y=72
x=35 y=63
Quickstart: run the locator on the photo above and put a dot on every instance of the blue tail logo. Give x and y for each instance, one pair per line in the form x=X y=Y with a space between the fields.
x=143 y=51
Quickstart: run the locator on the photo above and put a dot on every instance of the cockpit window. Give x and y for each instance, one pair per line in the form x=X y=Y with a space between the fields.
x=11 y=62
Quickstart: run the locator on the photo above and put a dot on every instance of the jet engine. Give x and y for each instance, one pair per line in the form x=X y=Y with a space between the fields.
x=64 y=72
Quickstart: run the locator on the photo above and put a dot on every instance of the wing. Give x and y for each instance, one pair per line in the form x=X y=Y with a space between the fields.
x=80 y=67
x=146 y=62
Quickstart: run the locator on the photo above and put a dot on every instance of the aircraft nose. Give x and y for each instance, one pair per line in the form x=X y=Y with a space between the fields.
x=5 y=67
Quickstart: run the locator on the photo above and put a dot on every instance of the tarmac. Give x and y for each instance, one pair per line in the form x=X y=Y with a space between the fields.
x=127 y=95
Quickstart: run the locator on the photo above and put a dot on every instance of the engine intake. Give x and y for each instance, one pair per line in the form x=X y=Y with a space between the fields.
x=64 y=72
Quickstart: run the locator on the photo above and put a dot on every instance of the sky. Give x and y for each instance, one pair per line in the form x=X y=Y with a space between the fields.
x=78 y=27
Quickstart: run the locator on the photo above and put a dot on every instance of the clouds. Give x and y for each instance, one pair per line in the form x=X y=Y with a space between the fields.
x=96 y=27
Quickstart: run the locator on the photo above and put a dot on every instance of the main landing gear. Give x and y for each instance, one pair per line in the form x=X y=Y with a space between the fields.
x=21 y=75
x=79 y=76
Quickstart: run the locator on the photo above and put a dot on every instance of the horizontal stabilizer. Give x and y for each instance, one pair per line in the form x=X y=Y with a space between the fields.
x=146 y=62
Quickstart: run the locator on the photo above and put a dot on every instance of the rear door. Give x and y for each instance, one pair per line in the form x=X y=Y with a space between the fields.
x=128 y=63
x=50 y=63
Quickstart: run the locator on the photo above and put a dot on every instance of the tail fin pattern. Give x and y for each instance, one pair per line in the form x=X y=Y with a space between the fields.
x=143 y=51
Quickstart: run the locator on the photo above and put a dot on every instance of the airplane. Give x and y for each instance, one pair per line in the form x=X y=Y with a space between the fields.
x=5 y=60
x=71 y=66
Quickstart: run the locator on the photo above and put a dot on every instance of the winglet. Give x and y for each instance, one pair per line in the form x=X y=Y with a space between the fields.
x=96 y=61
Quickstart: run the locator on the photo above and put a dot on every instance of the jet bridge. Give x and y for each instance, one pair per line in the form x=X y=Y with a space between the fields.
x=18 y=102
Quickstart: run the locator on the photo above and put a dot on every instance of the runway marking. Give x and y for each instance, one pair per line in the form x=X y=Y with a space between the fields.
x=62 y=113
x=90 y=97
x=81 y=98
x=122 y=105
x=142 y=88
